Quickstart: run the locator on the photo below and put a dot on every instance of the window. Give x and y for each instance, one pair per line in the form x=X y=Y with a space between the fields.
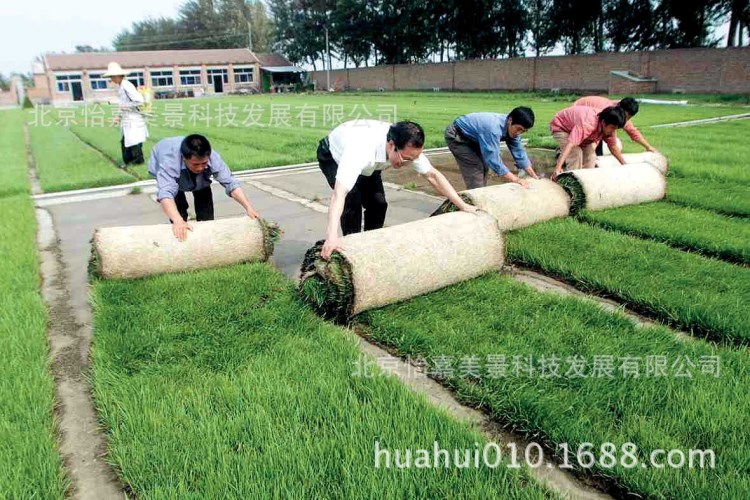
x=137 y=78
x=63 y=81
x=163 y=78
x=190 y=77
x=97 y=81
x=222 y=73
x=244 y=74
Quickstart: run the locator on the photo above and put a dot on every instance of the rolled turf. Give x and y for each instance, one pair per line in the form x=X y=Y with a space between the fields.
x=656 y=160
x=600 y=188
x=388 y=265
x=515 y=207
x=137 y=251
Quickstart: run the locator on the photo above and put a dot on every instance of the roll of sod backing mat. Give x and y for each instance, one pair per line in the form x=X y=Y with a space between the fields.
x=137 y=251
x=515 y=207
x=600 y=188
x=384 y=266
x=657 y=160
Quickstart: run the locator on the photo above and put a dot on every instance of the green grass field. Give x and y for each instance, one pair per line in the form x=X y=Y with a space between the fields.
x=522 y=343
x=691 y=229
x=239 y=391
x=64 y=163
x=13 y=152
x=693 y=292
x=30 y=466
x=270 y=130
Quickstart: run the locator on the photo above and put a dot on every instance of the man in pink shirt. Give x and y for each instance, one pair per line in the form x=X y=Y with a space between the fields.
x=628 y=105
x=578 y=129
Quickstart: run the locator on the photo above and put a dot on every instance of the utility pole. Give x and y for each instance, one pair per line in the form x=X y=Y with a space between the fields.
x=249 y=37
x=328 y=65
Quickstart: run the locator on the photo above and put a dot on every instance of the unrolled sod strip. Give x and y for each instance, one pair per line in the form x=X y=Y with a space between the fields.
x=384 y=266
x=657 y=160
x=137 y=251
x=600 y=188
x=515 y=207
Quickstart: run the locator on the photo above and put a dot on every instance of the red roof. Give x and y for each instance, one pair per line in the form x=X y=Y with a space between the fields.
x=157 y=58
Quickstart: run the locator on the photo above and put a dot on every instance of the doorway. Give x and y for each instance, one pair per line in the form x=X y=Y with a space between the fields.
x=77 y=90
x=218 y=84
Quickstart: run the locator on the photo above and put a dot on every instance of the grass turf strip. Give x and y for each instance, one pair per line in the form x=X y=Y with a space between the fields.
x=715 y=151
x=221 y=384
x=13 y=152
x=686 y=228
x=29 y=464
x=496 y=316
x=728 y=198
x=64 y=162
x=708 y=297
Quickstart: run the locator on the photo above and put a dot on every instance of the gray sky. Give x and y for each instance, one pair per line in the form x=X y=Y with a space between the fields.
x=29 y=28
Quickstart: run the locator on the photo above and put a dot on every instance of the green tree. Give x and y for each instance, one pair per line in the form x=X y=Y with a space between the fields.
x=541 y=26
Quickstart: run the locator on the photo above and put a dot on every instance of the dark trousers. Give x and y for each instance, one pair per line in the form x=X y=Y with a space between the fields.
x=368 y=194
x=133 y=154
x=468 y=156
x=204 y=204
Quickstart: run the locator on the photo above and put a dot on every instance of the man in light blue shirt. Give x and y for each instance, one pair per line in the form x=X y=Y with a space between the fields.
x=182 y=164
x=474 y=139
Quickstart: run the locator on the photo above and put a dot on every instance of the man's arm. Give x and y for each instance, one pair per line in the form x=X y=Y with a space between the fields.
x=335 y=209
x=224 y=176
x=636 y=136
x=489 y=146
x=614 y=149
x=515 y=146
x=179 y=226
x=443 y=186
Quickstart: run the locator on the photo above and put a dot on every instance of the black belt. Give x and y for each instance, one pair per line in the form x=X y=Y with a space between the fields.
x=460 y=133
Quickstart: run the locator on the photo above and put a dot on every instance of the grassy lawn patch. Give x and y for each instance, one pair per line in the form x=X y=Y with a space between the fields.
x=728 y=198
x=708 y=297
x=519 y=327
x=13 y=152
x=221 y=384
x=64 y=162
x=686 y=228
x=29 y=464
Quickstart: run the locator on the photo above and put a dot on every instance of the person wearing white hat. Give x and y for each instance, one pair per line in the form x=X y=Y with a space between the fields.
x=132 y=122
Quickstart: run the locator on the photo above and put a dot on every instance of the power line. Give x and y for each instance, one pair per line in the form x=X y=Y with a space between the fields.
x=126 y=46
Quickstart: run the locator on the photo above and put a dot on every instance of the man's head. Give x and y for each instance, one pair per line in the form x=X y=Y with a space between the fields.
x=117 y=79
x=611 y=119
x=520 y=120
x=405 y=143
x=629 y=106
x=195 y=150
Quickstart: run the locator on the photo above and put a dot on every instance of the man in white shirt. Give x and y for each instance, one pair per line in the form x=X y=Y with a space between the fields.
x=352 y=158
x=132 y=122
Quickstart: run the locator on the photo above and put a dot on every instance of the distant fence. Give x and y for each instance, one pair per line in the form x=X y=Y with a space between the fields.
x=722 y=71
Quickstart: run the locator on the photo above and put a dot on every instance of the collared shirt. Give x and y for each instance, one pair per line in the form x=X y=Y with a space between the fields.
x=172 y=175
x=581 y=123
x=599 y=103
x=359 y=148
x=488 y=130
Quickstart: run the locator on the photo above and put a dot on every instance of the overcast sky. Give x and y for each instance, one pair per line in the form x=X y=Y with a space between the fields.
x=30 y=28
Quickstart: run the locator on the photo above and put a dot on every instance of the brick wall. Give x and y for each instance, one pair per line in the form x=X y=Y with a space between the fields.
x=691 y=70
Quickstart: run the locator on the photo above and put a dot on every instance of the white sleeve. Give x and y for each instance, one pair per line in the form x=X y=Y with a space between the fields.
x=351 y=166
x=422 y=165
x=134 y=96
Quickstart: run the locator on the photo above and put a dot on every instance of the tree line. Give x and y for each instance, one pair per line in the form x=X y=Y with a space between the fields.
x=370 y=32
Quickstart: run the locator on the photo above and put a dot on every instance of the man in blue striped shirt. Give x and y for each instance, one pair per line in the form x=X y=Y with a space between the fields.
x=474 y=139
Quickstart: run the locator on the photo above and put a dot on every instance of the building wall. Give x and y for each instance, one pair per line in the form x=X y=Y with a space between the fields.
x=724 y=70
x=45 y=90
